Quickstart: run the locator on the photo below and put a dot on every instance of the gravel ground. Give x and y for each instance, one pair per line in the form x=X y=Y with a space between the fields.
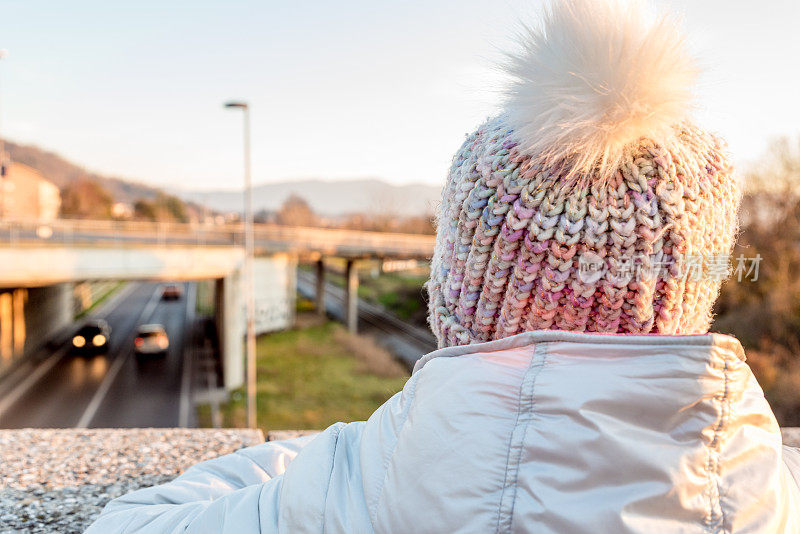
x=58 y=480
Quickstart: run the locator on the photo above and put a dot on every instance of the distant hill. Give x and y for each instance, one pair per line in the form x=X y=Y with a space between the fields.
x=331 y=198
x=62 y=172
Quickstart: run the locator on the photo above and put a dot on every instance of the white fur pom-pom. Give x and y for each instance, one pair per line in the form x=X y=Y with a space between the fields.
x=593 y=79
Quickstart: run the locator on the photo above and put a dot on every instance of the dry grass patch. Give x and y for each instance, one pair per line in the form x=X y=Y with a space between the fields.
x=372 y=358
x=309 y=378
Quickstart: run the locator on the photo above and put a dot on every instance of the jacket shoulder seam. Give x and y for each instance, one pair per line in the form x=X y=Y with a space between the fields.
x=373 y=509
x=715 y=514
x=526 y=402
x=335 y=439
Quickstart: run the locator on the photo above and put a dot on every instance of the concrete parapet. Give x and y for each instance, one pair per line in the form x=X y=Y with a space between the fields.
x=58 y=480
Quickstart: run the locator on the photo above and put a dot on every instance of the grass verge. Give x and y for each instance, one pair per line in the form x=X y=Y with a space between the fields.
x=113 y=287
x=312 y=377
x=204 y=303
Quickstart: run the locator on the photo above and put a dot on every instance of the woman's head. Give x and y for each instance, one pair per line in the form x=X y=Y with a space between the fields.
x=591 y=203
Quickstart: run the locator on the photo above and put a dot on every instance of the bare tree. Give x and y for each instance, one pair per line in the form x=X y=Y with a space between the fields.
x=765 y=314
x=85 y=199
x=295 y=211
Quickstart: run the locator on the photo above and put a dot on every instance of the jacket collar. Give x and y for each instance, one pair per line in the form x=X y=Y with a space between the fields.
x=545 y=336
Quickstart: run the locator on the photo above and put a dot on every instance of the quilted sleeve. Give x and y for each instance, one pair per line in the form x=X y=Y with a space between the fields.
x=220 y=495
x=791 y=457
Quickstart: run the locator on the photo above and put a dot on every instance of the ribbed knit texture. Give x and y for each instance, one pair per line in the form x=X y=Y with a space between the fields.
x=511 y=232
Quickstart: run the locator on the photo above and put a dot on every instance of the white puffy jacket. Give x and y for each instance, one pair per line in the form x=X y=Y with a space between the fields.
x=541 y=432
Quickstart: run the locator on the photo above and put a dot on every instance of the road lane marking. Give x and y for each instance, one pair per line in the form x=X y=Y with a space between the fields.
x=26 y=368
x=12 y=380
x=188 y=347
x=108 y=380
x=8 y=400
x=22 y=388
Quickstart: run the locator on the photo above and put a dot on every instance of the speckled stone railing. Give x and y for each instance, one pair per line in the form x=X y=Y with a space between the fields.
x=59 y=480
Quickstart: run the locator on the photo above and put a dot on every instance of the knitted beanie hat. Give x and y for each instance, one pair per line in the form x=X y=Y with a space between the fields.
x=592 y=202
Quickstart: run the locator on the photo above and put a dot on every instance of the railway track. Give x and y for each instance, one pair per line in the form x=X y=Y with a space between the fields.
x=407 y=342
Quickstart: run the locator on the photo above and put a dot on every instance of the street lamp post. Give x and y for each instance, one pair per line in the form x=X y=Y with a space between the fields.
x=248 y=270
x=3 y=54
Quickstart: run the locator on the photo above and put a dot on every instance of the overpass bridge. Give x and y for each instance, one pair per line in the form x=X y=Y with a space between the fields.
x=40 y=262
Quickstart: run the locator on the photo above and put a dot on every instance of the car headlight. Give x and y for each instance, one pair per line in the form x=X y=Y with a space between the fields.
x=79 y=341
x=98 y=340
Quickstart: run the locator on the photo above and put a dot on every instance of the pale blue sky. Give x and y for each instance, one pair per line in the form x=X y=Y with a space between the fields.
x=338 y=88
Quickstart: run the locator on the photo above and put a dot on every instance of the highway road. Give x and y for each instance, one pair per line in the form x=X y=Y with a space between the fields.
x=112 y=390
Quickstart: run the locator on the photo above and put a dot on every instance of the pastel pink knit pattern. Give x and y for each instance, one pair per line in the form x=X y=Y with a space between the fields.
x=512 y=230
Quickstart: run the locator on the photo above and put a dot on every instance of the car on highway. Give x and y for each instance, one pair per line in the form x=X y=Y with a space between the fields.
x=91 y=338
x=151 y=340
x=171 y=292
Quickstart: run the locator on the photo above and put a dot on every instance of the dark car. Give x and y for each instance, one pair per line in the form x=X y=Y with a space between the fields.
x=171 y=292
x=92 y=337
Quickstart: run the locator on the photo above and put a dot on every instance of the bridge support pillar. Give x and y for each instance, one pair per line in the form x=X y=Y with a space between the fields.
x=351 y=296
x=230 y=325
x=30 y=317
x=320 y=287
x=274 y=288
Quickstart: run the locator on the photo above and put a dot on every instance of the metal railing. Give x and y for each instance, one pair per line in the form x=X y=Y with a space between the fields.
x=268 y=237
